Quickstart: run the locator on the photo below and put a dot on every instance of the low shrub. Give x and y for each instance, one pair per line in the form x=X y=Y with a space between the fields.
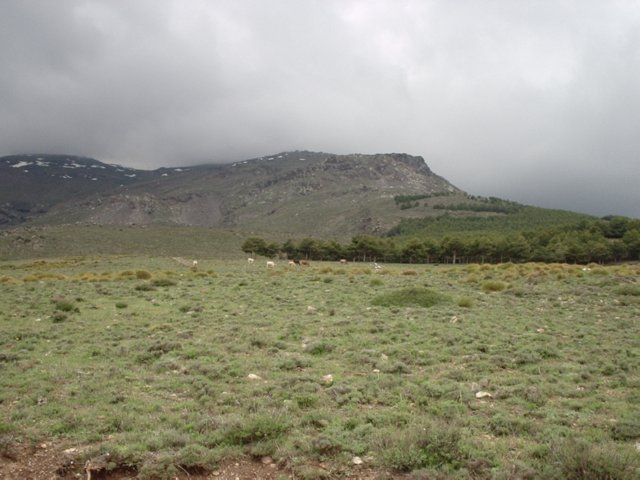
x=626 y=429
x=59 y=317
x=319 y=347
x=64 y=305
x=8 y=448
x=579 y=460
x=408 y=297
x=493 y=286
x=430 y=445
x=256 y=428
x=633 y=290
x=465 y=302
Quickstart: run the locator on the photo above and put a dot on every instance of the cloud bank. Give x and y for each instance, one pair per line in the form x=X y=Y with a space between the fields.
x=535 y=101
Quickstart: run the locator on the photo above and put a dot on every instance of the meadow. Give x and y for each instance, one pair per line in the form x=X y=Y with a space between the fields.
x=412 y=371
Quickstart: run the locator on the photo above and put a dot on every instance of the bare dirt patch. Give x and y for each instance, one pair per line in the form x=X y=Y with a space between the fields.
x=47 y=461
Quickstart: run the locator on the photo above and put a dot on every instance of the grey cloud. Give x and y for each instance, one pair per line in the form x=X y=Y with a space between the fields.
x=534 y=101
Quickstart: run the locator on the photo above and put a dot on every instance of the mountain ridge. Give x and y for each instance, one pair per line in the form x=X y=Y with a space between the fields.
x=301 y=191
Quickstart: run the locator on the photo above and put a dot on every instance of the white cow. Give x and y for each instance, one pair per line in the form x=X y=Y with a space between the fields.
x=271 y=264
x=250 y=260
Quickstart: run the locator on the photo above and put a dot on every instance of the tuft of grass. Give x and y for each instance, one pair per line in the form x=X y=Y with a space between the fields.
x=632 y=290
x=163 y=282
x=580 y=460
x=64 y=305
x=319 y=347
x=429 y=445
x=8 y=446
x=143 y=275
x=410 y=297
x=59 y=317
x=257 y=427
x=465 y=302
x=493 y=286
x=626 y=429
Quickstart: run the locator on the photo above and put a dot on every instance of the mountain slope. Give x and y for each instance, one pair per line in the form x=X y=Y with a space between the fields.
x=30 y=185
x=299 y=192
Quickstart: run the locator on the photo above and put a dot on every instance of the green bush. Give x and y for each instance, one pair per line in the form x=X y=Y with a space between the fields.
x=256 y=428
x=580 y=460
x=435 y=445
x=8 y=448
x=410 y=297
x=143 y=275
x=319 y=347
x=626 y=429
x=64 y=305
x=465 y=302
x=58 y=317
x=493 y=286
x=633 y=290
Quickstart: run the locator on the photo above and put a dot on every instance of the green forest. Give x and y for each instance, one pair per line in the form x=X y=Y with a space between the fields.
x=605 y=240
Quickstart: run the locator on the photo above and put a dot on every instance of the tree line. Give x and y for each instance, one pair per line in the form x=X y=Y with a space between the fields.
x=611 y=239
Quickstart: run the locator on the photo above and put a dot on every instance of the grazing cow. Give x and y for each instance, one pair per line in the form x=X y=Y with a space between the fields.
x=194 y=265
x=343 y=261
x=250 y=260
x=271 y=264
x=292 y=263
x=376 y=266
x=304 y=263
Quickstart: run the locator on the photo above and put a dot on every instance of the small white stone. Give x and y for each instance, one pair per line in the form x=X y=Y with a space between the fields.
x=253 y=376
x=357 y=461
x=482 y=394
x=327 y=379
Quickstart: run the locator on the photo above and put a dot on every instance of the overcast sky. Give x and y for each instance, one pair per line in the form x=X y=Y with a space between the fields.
x=535 y=101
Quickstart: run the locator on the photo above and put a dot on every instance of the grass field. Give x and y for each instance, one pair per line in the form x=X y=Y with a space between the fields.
x=477 y=371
